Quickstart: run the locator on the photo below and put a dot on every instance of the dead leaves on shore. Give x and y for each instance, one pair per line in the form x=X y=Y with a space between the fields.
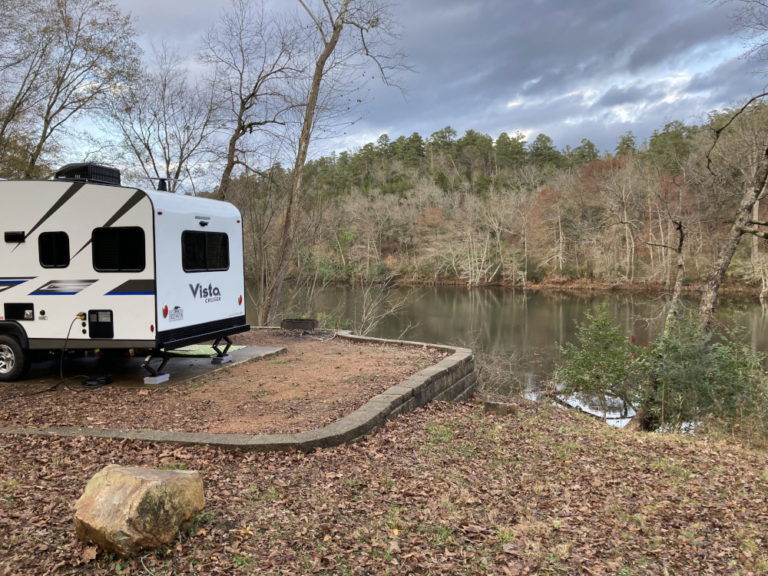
x=444 y=490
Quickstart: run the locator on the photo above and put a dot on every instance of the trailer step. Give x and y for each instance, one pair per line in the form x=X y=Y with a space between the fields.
x=159 y=379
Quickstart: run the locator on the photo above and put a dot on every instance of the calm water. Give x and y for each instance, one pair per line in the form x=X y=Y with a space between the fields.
x=527 y=327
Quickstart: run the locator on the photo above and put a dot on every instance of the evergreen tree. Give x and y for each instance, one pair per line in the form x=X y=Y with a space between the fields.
x=627 y=144
x=670 y=147
x=542 y=153
x=585 y=153
x=510 y=151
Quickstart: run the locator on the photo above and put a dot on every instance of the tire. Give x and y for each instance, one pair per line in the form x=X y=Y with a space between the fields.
x=14 y=360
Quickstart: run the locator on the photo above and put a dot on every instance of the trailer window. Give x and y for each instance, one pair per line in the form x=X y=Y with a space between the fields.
x=53 y=249
x=118 y=249
x=204 y=251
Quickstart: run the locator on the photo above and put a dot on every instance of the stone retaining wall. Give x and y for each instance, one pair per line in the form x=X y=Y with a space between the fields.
x=451 y=379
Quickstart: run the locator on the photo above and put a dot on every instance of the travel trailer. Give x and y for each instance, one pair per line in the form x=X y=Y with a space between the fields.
x=86 y=263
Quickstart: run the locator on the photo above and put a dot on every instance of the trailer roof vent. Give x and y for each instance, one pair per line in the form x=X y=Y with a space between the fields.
x=86 y=172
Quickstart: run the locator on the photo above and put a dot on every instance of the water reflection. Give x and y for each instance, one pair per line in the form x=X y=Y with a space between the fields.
x=529 y=327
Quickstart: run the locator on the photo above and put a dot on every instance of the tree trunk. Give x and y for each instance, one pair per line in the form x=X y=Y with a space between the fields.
x=286 y=238
x=716 y=274
x=226 y=175
x=759 y=260
x=755 y=244
x=560 y=244
x=674 y=303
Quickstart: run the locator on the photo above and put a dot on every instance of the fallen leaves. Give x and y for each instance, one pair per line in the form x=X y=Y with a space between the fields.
x=88 y=554
x=541 y=492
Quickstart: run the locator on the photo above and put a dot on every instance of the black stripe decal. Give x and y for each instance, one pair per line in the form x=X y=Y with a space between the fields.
x=130 y=203
x=133 y=287
x=71 y=191
x=6 y=283
x=63 y=199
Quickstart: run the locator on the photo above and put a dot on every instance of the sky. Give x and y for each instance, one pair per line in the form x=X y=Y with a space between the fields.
x=570 y=69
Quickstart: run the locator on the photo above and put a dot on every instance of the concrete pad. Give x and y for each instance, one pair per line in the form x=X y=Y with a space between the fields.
x=127 y=371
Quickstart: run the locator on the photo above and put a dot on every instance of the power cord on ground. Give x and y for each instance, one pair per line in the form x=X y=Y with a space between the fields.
x=88 y=383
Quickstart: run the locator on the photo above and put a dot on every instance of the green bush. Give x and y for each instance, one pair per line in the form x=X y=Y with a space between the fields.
x=602 y=363
x=694 y=379
x=332 y=321
x=682 y=380
x=676 y=376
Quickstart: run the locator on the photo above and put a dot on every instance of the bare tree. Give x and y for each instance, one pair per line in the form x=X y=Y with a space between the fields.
x=68 y=56
x=378 y=303
x=344 y=37
x=253 y=57
x=751 y=16
x=621 y=195
x=165 y=120
x=755 y=183
x=22 y=63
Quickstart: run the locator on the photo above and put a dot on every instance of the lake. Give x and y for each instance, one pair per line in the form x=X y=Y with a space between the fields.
x=527 y=327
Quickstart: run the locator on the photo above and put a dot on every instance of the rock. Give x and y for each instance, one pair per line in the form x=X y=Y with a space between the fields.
x=500 y=408
x=125 y=510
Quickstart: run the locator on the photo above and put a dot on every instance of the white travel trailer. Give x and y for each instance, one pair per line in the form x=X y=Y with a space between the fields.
x=86 y=263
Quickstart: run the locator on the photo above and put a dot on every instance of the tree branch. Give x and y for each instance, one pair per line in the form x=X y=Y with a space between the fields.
x=754 y=232
x=720 y=130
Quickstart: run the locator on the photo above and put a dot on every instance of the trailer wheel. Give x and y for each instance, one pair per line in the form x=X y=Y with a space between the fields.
x=14 y=360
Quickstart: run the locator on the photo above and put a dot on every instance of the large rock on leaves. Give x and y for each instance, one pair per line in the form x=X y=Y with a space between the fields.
x=125 y=510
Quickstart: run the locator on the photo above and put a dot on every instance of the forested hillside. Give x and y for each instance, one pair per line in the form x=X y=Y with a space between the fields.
x=476 y=210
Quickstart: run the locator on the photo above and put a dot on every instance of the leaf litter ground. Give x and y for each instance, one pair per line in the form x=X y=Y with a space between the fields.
x=448 y=489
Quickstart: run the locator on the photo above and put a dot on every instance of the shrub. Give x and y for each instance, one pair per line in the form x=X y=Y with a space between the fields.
x=693 y=378
x=676 y=371
x=682 y=380
x=603 y=362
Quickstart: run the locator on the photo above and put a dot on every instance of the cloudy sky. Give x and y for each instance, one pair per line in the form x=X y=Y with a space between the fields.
x=570 y=69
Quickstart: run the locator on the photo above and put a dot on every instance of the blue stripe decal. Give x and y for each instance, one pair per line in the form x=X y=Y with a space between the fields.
x=8 y=283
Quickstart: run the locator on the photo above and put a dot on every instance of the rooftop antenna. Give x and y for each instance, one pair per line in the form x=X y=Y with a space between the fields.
x=162 y=183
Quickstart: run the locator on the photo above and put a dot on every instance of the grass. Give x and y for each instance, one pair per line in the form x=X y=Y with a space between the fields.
x=439 y=434
x=9 y=484
x=669 y=467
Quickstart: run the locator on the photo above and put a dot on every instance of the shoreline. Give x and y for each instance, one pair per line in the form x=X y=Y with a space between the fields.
x=567 y=286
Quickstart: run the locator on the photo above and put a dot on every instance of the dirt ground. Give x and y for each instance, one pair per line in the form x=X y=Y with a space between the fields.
x=318 y=380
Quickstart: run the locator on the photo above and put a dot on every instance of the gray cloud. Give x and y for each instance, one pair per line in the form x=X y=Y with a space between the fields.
x=567 y=65
x=731 y=80
x=629 y=94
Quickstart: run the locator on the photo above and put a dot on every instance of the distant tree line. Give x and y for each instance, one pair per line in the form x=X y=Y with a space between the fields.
x=476 y=210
